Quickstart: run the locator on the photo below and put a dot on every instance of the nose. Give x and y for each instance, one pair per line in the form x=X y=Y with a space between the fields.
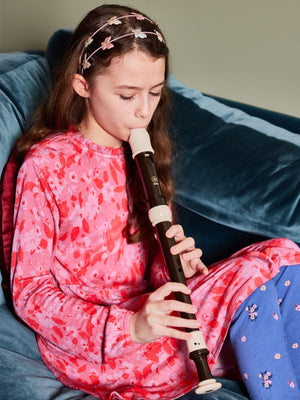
x=143 y=109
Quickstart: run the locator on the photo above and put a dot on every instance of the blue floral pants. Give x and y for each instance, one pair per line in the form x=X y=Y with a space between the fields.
x=265 y=335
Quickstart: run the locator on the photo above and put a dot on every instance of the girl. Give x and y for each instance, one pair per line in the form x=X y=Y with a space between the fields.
x=87 y=273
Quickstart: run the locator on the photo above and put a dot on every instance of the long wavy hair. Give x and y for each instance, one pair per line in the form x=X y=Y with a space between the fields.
x=65 y=108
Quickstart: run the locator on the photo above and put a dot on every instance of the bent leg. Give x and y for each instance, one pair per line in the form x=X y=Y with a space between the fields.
x=287 y=285
x=257 y=334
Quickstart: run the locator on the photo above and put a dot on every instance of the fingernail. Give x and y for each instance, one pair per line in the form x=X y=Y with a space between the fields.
x=174 y=249
x=169 y=232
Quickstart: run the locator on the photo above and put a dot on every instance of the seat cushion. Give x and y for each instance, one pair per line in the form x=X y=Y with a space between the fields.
x=23 y=375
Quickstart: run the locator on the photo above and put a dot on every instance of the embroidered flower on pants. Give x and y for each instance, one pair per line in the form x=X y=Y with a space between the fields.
x=265 y=378
x=291 y=384
x=252 y=311
x=275 y=316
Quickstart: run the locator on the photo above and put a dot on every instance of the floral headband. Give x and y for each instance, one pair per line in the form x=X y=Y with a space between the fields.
x=108 y=42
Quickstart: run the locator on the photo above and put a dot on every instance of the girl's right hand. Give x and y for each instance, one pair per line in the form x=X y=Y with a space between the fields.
x=154 y=319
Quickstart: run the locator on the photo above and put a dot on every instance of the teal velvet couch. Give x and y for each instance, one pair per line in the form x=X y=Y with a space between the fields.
x=237 y=172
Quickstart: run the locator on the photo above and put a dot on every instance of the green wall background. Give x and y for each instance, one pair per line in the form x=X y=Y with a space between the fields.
x=243 y=50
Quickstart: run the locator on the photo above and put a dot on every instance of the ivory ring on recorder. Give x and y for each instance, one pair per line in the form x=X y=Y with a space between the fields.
x=159 y=214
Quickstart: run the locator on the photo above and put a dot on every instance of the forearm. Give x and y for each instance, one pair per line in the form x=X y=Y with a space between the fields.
x=76 y=326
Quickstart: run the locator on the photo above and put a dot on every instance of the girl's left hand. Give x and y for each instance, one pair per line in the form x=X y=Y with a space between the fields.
x=189 y=254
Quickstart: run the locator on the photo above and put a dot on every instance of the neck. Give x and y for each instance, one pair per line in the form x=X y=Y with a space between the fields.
x=99 y=136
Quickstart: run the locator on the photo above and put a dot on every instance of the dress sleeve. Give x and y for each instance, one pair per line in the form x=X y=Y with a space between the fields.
x=65 y=322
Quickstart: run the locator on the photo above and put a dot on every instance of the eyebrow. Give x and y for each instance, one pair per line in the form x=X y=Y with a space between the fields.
x=137 y=87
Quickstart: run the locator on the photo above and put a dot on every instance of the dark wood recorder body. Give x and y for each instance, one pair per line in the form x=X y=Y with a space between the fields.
x=161 y=218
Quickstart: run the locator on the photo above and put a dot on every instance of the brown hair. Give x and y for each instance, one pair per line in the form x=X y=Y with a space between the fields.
x=65 y=108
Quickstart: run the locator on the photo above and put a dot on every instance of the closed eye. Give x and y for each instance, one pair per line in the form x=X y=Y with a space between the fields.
x=126 y=97
x=155 y=94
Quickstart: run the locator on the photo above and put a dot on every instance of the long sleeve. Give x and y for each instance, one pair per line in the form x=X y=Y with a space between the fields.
x=68 y=259
x=59 y=317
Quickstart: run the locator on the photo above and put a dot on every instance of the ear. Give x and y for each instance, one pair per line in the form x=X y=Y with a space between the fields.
x=80 y=85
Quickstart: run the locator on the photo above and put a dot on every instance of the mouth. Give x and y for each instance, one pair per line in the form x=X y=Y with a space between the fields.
x=140 y=128
x=139 y=141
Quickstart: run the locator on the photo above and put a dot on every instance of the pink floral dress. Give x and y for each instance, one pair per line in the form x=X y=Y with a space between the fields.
x=76 y=282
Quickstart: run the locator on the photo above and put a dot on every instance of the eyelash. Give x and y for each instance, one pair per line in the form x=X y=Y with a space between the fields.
x=125 y=97
x=155 y=94
x=131 y=97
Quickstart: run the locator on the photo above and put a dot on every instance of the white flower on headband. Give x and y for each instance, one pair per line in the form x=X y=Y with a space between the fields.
x=88 y=42
x=114 y=21
x=159 y=35
x=138 y=33
x=85 y=63
x=106 y=45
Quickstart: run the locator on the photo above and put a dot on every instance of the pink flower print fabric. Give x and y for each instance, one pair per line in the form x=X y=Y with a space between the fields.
x=76 y=281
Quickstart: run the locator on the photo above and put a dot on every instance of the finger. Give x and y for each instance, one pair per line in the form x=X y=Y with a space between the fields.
x=165 y=290
x=194 y=254
x=187 y=244
x=169 y=306
x=199 y=267
x=202 y=268
x=176 y=334
x=175 y=231
x=158 y=312
x=195 y=264
x=182 y=322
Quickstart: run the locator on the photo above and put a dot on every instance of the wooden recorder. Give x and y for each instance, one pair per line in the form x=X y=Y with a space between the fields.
x=161 y=218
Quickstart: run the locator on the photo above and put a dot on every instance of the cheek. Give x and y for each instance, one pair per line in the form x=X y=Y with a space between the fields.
x=155 y=105
x=110 y=112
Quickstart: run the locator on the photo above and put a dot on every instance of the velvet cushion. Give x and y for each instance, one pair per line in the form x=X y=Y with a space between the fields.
x=57 y=46
x=7 y=198
x=284 y=121
x=23 y=375
x=24 y=82
x=233 y=169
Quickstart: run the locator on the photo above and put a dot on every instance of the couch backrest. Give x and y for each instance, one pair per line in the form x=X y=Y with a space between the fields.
x=238 y=176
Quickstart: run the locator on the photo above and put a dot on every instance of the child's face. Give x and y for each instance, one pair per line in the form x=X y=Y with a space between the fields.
x=124 y=97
